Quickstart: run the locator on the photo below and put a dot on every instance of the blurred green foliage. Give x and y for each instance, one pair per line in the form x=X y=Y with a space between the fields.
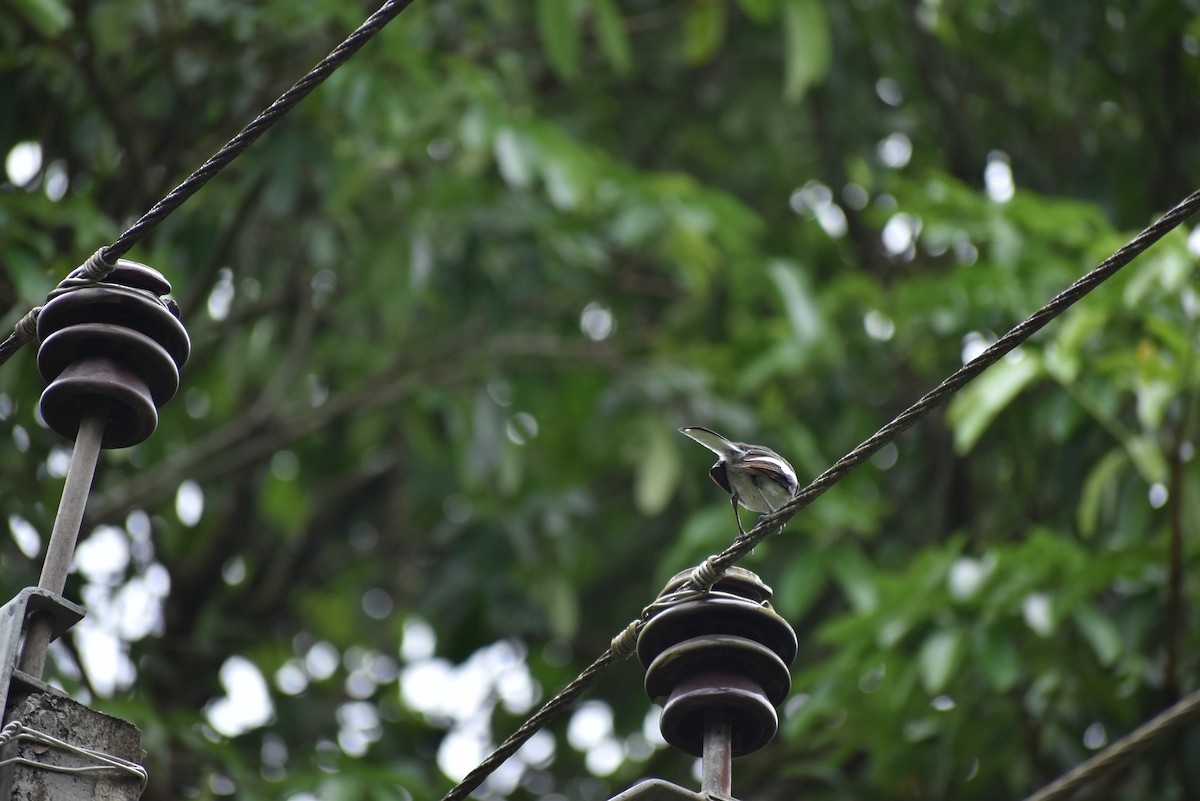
x=447 y=315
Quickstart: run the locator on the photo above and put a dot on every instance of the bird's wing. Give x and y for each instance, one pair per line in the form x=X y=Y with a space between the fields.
x=713 y=441
x=774 y=467
x=720 y=475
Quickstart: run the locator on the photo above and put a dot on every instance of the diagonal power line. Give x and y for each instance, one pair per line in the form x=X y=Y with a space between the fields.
x=256 y=128
x=105 y=259
x=1183 y=711
x=715 y=566
x=711 y=570
x=945 y=390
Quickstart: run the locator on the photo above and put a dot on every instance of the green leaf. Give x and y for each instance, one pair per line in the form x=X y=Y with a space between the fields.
x=799 y=585
x=1100 y=632
x=1001 y=664
x=561 y=603
x=1037 y=609
x=1170 y=334
x=656 y=471
x=285 y=503
x=797 y=300
x=703 y=30
x=1153 y=395
x=558 y=26
x=759 y=10
x=1078 y=325
x=938 y=659
x=1098 y=490
x=342 y=788
x=1148 y=456
x=853 y=574
x=709 y=527
x=28 y=274
x=513 y=158
x=614 y=39
x=48 y=17
x=807 y=46
x=979 y=403
x=1163 y=270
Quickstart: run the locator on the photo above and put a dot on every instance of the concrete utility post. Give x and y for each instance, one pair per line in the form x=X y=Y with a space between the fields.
x=64 y=751
x=111 y=348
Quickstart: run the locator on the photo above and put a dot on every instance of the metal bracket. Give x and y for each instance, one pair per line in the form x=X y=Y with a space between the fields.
x=659 y=790
x=13 y=617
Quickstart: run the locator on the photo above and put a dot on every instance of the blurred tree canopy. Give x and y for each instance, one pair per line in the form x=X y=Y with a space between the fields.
x=448 y=314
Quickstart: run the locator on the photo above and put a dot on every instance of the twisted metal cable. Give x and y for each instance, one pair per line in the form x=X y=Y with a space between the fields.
x=549 y=711
x=774 y=521
x=710 y=571
x=231 y=150
x=257 y=127
x=623 y=646
x=24 y=331
x=1183 y=711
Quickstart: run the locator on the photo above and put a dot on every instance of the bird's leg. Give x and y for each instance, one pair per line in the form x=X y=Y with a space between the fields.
x=771 y=506
x=741 y=531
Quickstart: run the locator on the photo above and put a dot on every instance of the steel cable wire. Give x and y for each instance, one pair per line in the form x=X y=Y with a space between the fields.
x=715 y=566
x=25 y=328
x=1181 y=712
x=708 y=572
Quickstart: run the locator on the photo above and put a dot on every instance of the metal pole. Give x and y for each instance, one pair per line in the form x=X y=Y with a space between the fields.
x=718 y=752
x=66 y=531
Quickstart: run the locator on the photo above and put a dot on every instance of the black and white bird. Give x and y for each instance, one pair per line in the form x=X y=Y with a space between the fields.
x=756 y=477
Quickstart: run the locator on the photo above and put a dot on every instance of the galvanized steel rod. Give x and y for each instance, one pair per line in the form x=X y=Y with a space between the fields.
x=65 y=533
x=718 y=752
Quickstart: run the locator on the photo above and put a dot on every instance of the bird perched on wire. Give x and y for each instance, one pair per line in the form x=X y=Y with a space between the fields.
x=756 y=477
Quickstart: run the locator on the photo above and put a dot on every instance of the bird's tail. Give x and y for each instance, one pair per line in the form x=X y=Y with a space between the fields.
x=711 y=440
